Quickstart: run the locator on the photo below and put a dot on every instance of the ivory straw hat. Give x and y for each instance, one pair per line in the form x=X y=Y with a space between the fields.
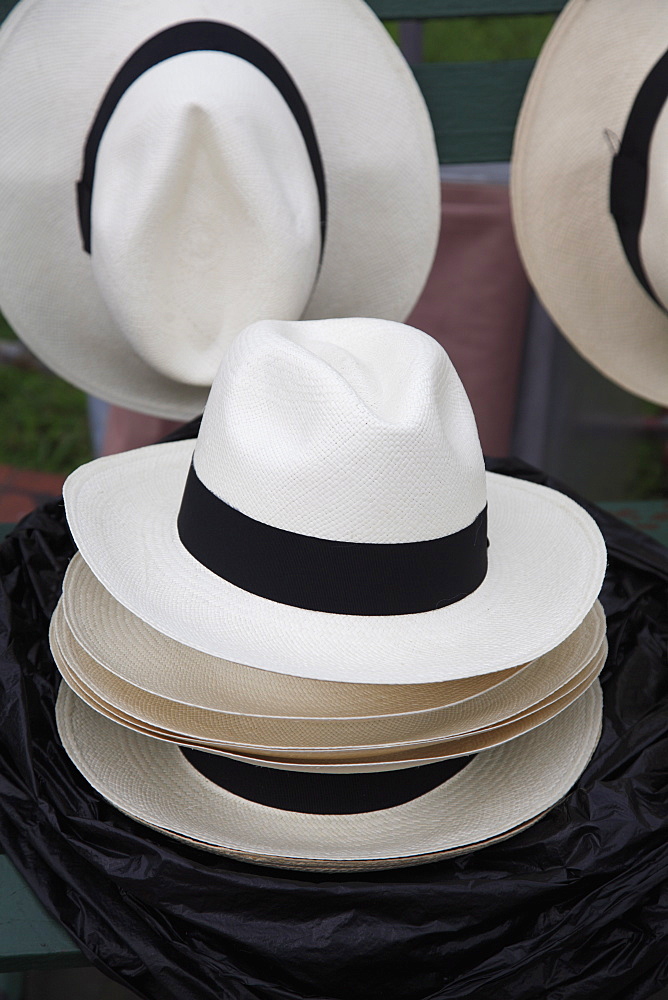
x=589 y=190
x=430 y=810
x=236 y=161
x=139 y=655
x=336 y=521
x=358 y=759
x=319 y=865
x=543 y=681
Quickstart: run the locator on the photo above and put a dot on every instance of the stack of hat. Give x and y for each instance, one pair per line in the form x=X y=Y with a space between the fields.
x=321 y=636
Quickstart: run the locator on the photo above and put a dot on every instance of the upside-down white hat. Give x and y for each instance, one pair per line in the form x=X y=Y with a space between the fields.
x=334 y=519
x=589 y=186
x=172 y=170
x=331 y=821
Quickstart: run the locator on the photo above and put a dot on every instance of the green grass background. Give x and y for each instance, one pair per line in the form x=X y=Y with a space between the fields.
x=478 y=39
x=43 y=419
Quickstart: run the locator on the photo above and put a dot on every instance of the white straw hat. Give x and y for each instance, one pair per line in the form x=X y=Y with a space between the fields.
x=379 y=757
x=335 y=519
x=139 y=655
x=236 y=161
x=319 y=865
x=410 y=813
x=538 y=685
x=589 y=191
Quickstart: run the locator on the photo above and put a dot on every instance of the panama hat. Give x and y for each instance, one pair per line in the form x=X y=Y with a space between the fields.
x=379 y=756
x=320 y=865
x=145 y=658
x=335 y=520
x=89 y=619
x=588 y=191
x=234 y=161
x=263 y=815
x=538 y=685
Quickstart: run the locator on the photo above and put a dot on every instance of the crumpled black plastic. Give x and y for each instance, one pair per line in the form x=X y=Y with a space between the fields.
x=575 y=908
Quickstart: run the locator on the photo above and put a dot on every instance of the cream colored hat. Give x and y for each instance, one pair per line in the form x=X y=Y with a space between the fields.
x=588 y=186
x=336 y=521
x=139 y=655
x=337 y=759
x=320 y=865
x=173 y=170
x=279 y=817
x=537 y=685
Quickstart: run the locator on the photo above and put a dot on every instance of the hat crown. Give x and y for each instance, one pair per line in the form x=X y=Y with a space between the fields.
x=204 y=211
x=350 y=429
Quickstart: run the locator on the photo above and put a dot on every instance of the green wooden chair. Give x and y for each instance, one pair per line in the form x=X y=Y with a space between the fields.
x=473 y=105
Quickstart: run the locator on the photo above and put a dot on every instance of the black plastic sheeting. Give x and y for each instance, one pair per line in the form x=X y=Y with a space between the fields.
x=575 y=908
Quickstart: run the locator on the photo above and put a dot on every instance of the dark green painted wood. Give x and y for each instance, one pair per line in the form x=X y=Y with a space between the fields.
x=5 y=7
x=650 y=516
x=419 y=9
x=11 y=985
x=29 y=937
x=474 y=106
x=4 y=530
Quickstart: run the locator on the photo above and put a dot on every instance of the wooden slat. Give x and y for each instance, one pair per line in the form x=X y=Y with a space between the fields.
x=419 y=9
x=474 y=106
x=29 y=937
x=5 y=7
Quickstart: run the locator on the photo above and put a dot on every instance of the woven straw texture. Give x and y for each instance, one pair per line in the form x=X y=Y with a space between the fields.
x=139 y=655
x=365 y=438
x=494 y=793
x=574 y=113
x=545 y=680
x=218 y=172
x=356 y=759
x=319 y=865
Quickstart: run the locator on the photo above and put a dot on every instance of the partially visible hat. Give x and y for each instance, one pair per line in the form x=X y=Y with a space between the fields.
x=141 y=656
x=362 y=866
x=331 y=821
x=342 y=760
x=172 y=171
x=536 y=686
x=335 y=520
x=589 y=191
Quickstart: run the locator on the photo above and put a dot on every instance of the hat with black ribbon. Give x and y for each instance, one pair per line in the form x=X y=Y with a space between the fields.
x=320 y=822
x=173 y=171
x=588 y=186
x=334 y=519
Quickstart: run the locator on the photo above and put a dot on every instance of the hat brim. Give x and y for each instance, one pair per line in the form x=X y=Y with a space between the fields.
x=545 y=681
x=498 y=790
x=575 y=109
x=319 y=865
x=161 y=666
x=353 y=759
x=546 y=564
x=372 y=126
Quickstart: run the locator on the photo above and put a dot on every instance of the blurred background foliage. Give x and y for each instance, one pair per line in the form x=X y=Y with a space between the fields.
x=44 y=419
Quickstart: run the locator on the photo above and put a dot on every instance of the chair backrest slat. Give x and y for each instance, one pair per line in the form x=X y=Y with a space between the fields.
x=474 y=106
x=420 y=9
